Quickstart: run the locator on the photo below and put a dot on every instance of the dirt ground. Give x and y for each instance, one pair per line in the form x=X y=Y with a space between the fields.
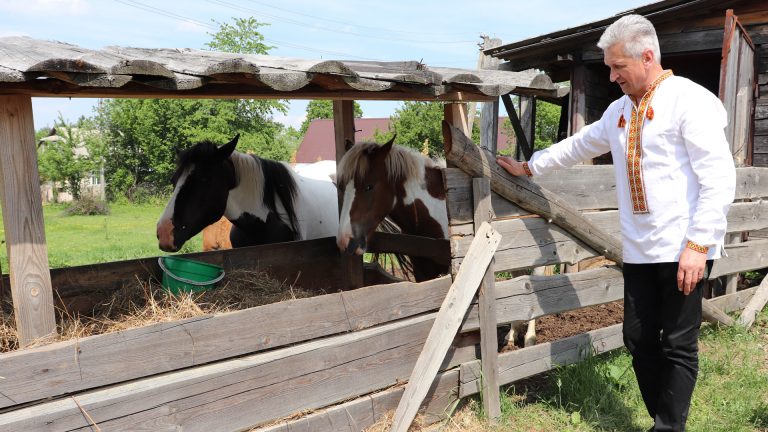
x=562 y=325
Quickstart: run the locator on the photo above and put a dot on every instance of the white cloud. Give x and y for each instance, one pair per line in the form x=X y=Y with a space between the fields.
x=52 y=7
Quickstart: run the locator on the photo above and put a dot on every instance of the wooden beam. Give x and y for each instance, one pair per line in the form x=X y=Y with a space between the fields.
x=713 y=314
x=489 y=353
x=344 y=131
x=529 y=361
x=23 y=221
x=755 y=305
x=446 y=325
x=478 y=162
x=522 y=141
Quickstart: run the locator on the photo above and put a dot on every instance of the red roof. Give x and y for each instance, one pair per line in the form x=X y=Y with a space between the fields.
x=319 y=141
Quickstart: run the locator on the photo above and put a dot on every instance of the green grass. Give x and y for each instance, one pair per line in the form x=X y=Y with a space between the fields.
x=127 y=232
x=601 y=393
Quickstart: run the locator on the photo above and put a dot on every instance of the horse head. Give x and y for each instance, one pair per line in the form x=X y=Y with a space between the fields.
x=204 y=176
x=369 y=193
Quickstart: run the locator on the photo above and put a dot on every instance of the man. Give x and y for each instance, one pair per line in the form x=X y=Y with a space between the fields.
x=675 y=180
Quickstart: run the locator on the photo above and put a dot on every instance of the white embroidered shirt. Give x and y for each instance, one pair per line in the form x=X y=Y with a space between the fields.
x=688 y=174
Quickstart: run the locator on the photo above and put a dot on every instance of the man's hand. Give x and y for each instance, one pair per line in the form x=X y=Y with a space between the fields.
x=690 y=270
x=512 y=166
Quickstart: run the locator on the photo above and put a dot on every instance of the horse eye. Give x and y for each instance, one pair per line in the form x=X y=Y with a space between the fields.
x=369 y=187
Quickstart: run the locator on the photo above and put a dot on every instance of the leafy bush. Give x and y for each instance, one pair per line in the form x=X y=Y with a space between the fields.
x=88 y=205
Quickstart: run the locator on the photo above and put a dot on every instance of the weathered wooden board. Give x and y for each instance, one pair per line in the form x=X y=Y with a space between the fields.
x=183 y=72
x=361 y=413
x=30 y=280
x=527 y=242
x=446 y=325
x=750 y=255
x=733 y=302
x=582 y=186
x=525 y=362
x=112 y=358
x=246 y=391
x=528 y=297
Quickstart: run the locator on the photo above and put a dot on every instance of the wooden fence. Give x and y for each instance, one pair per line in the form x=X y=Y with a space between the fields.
x=344 y=354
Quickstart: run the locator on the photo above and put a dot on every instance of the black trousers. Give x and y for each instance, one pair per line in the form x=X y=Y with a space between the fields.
x=661 y=331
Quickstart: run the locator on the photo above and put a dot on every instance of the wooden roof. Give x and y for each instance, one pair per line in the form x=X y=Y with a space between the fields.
x=49 y=68
x=545 y=49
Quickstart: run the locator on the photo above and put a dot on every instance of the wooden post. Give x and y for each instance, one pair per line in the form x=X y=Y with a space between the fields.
x=755 y=305
x=489 y=353
x=30 y=276
x=489 y=111
x=344 y=129
x=528 y=119
x=446 y=324
x=456 y=115
x=522 y=141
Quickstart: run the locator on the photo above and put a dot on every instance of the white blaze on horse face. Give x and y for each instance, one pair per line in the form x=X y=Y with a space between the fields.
x=165 y=224
x=345 y=223
x=417 y=189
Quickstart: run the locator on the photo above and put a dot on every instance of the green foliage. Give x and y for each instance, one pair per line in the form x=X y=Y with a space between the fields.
x=76 y=153
x=547 y=124
x=88 y=205
x=419 y=125
x=323 y=109
x=144 y=135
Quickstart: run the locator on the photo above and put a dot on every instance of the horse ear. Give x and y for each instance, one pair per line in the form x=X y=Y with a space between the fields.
x=228 y=148
x=348 y=145
x=388 y=145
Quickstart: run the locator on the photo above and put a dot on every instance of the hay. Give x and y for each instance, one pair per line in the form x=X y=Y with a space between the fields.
x=146 y=302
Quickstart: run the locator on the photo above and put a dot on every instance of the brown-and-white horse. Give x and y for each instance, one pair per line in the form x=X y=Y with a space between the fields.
x=266 y=201
x=388 y=180
x=379 y=181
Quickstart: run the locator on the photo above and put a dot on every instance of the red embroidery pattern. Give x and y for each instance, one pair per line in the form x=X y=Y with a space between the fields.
x=697 y=247
x=634 y=147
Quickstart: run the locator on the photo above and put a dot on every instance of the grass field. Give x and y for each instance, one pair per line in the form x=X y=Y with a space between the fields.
x=127 y=232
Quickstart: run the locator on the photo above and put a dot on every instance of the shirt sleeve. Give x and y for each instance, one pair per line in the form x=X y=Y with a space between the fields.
x=703 y=129
x=591 y=141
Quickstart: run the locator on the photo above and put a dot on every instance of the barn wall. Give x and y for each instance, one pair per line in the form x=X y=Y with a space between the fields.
x=759 y=35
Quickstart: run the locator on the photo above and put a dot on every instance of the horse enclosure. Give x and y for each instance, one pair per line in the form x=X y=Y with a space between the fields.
x=336 y=361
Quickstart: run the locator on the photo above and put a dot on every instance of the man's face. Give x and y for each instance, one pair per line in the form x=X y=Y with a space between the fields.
x=630 y=73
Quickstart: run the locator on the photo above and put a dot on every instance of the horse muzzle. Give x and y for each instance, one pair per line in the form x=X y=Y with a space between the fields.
x=165 y=236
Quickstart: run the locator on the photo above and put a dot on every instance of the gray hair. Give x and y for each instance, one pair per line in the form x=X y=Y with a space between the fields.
x=637 y=34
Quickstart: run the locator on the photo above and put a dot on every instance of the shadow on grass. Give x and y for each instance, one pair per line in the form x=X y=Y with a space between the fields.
x=759 y=417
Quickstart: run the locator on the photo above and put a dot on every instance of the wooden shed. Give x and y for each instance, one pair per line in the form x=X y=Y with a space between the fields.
x=722 y=45
x=39 y=68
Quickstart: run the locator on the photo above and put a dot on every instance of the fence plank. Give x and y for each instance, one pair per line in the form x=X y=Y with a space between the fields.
x=733 y=302
x=30 y=277
x=361 y=413
x=527 y=242
x=486 y=301
x=446 y=324
x=755 y=305
x=525 y=362
x=90 y=362
x=581 y=186
x=246 y=391
x=529 y=297
x=478 y=162
x=747 y=256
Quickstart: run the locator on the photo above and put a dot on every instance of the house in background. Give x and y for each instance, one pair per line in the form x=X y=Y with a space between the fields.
x=319 y=142
x=93 y=183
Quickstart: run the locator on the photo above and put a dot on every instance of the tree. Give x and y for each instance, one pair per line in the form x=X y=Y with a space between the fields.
x=144 y=135
x=74 y=153
x=419 y=125
x=323 y=109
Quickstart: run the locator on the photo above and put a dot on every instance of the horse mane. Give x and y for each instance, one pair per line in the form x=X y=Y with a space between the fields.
x=279 y=181
x=203 y=151
x=401 y=162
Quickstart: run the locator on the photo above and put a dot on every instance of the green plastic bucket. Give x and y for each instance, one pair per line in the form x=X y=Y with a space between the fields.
x=185 y=275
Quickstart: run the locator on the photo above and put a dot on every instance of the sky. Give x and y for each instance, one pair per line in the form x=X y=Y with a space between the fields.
x=442 y=33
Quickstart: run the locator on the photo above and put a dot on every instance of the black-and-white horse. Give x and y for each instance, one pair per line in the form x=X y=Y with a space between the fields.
x=266 y=201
